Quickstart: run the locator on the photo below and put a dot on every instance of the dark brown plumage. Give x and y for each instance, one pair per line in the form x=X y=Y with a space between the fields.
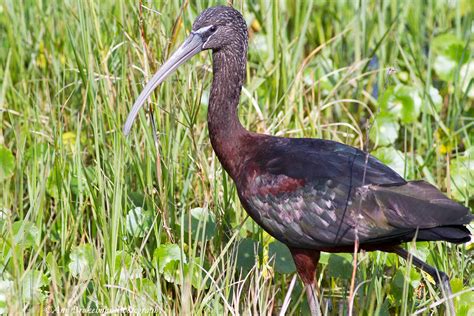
x=313 y=195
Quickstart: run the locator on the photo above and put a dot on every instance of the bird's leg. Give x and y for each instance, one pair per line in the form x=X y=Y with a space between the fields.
x=312 y=299
x=439 y=276
x=306 y=262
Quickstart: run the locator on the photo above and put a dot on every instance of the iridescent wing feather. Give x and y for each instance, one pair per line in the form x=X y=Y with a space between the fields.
x=324 y=198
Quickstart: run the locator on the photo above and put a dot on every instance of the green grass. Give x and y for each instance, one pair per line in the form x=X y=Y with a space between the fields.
x=69 y=179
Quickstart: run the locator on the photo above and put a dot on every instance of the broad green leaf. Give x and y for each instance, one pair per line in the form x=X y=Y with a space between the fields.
x=193 y=270
x=465 y=305
x=384 y=130
x=392 y=259
x=324 y=258
x=415 y=277
x=248 y=251
x=167 y=253
x=403 y=102
x=400 y=103
x=456 y=285
x=145 y=293
x=462 y=175
x=391 y=157
x=396 y=288
x=458 y=53
x=82 y=260
x=138 y=222
x=387 y=96
x=411 y=104
x=32 y=282
x=127 y=267
x=340 y=266
x=26 y=234
x=444 y=67
x=465 y=302
x=411 y=278
x=450 y=52
x=7 y=163
x=167 y=258
x=420 y=250
x=202 y=222
x=171 y=272
x=443 y=43
x=283 y=259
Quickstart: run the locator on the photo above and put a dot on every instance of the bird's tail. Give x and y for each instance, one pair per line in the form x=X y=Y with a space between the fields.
x=457 y=234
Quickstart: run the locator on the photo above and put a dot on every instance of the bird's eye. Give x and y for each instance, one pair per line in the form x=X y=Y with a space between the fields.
x=213 y=28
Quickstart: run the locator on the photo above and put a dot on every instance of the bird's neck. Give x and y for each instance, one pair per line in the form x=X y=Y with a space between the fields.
x=225 y=131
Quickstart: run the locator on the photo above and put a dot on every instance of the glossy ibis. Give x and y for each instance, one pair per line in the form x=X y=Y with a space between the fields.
x=311 y=194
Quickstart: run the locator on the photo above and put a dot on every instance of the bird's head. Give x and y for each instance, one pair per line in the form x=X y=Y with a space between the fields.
x=217 y=28
x=220 y=27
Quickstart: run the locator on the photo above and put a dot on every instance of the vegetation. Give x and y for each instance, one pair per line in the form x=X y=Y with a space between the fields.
x=92 y=220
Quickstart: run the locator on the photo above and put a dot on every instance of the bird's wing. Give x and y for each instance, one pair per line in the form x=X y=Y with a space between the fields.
x=307 y=158
x=320 y=194
x=416 y=204
x=316 y=213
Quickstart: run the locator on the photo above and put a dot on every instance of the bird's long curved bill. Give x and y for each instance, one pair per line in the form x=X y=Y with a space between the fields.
x=188 y=49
